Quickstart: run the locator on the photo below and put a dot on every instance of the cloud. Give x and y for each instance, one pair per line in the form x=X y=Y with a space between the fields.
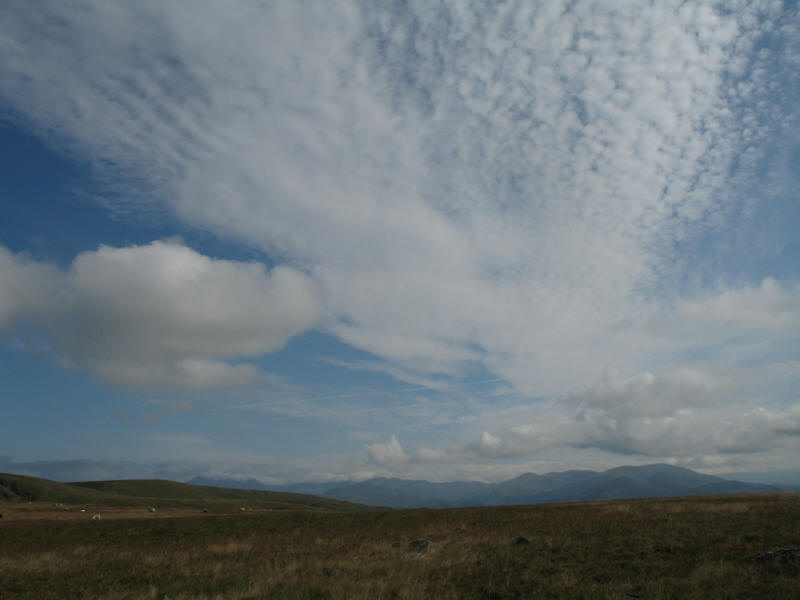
x=489 y=441
x=675 y=415
x=541 y=191
x=496 y=186
x=655 y=396
x=392 y=456
x=388 y=454
x=163 y=315
x=29 y=289
x=766 y=307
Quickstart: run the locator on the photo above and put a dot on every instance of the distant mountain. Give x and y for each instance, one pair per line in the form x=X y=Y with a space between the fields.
x=650 y=481
x=784 y=477
x=402 y=493
x=231 y=484
x=313 y=488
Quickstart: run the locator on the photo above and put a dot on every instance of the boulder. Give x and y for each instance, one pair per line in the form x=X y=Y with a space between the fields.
x=419 y=545
x=779 y=555
x=522 y=541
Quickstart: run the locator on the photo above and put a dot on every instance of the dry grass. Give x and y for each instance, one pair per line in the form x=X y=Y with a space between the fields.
x=654 y=549
x=47 y=511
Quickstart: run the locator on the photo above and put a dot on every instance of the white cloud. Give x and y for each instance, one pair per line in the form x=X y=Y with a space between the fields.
x=530 y=189
x=162 y=315
x=676 y=415
x=499 y=194
x=28 y=289
x=647 y=395
x=766 y=307
x=389 y=454
x=489 y=441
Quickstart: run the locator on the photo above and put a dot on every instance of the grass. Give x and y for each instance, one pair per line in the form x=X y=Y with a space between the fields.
x=173 y=490
x=699 y=547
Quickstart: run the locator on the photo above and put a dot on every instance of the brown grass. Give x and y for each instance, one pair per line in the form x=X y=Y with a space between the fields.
x=46 y=511
x=654 y=549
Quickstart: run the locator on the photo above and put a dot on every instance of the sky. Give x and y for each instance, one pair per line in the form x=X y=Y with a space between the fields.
x=321 y=241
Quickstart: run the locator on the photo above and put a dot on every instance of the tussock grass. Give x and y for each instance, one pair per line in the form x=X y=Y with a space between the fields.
x=654 y=549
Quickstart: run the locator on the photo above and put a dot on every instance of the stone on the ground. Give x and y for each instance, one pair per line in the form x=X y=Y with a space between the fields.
x=419 y=545
x=779 y=555
x=522 y=541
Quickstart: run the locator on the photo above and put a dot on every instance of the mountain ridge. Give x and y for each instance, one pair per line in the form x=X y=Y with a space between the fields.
x=646 y=481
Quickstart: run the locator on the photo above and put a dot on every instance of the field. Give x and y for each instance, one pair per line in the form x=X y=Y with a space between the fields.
x=699 y=547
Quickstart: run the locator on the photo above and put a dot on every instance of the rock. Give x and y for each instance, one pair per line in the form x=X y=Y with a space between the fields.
x=522 y=541
x=419 y=545
x=778 y=555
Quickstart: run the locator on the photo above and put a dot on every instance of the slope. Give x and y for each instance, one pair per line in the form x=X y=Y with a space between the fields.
x=16 y=488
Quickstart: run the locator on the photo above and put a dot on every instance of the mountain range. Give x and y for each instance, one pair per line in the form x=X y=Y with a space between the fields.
x=649 y=481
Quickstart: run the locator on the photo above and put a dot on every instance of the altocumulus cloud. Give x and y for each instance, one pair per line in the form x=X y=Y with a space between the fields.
x=499 y=185
x=160 y=315
x=541 y=190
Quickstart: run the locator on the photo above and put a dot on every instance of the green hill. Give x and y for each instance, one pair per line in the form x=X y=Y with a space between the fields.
x=21 y=488
x=173 y=490
x=142 y=492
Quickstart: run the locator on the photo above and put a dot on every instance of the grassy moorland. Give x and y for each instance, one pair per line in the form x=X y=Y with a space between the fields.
x=698 y=547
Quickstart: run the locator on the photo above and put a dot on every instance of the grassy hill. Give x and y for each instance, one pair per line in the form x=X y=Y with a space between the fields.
x=21 y=488
x=143 y=492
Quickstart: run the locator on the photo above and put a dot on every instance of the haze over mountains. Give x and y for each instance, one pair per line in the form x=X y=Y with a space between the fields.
x=660 y=480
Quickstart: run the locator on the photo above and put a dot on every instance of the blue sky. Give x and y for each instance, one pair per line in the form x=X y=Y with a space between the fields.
x=455 y=241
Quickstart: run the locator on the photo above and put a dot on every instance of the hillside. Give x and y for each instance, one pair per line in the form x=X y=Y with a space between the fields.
x=21 y=488
x=173 y=490
x=164 y=493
